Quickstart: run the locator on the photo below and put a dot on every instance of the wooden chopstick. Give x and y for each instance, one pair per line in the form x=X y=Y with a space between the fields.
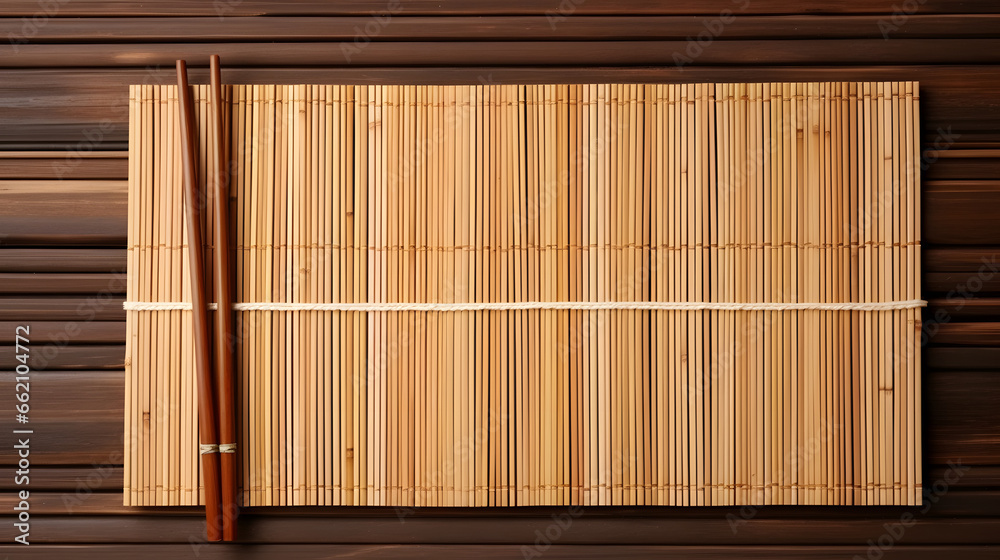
x=224 y=340
x=203 y=368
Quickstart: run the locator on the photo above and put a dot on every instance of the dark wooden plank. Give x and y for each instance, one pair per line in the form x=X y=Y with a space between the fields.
x=961 y=419
x=593 y=528
x=77 y=417
x=648 y=524
x=968 y=334
x=66 y=332
x=77 y=441
x=61 y=211
x=79 y=481
x=109 y=230
x=961 y=259
x=86 y=395
x=62 y=308
x=977 y=476
x=944 y=358
x=959 y=422
x=77 y=260
x=986 y=282
x=539 y=53
x=215 y=551
x=84 y=109
x=59 y=356
x=961 y=217
x=953 y=86
x=986 y=185
x=505 y=28
x=971 y=153
x=965 y=304
x=83 y=188
x=60 y=283
x=586 y=529
x=960 y=168
x=80 y=187
x=67 y=166
x=17 y=8
x=89 y=155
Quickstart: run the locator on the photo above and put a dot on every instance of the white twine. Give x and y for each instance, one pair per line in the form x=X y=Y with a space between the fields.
x=206 y=448
x=537 y=305
x=227 y=448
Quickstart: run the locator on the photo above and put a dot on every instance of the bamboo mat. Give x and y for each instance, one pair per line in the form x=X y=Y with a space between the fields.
x=743 y=193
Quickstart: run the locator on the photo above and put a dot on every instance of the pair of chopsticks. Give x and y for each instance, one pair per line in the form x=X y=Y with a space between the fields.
x=219 y=472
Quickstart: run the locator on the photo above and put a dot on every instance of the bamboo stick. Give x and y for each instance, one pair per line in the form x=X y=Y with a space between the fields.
x=912 y=326
x=605 y=174
x=616 y=457
x=138 y=437
x=629 y=280
x=915 y=284
x=277 y=102
x=421 y=146
x=672 y=187
x=857 y=412
x=880 y=215
x=798 y=358
x=358 y=219
x=666 y=188
x=238 y=179
x=392 y=294
x=578 y=398
x=169 y=364
x=134 y=161
x=164 y=407
x=774 y=289
x=253 y=235
x=310 y=318
x=157 y=326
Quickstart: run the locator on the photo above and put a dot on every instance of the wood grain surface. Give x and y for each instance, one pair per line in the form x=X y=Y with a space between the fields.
x=68 y=107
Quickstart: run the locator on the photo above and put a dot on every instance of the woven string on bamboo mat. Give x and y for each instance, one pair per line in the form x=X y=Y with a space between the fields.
x=542 y=294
